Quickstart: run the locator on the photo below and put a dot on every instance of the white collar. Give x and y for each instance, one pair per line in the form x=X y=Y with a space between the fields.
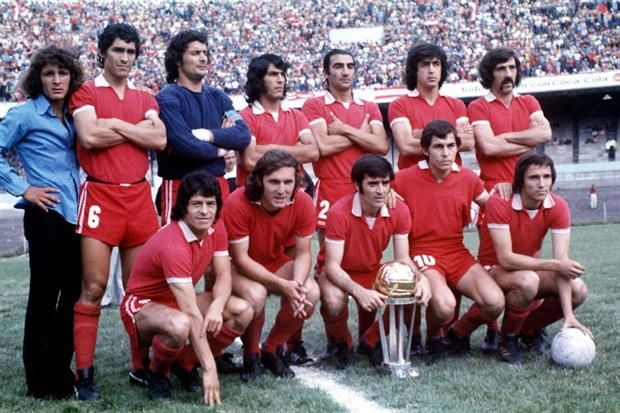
x=189 y=234
x=101 y=82
x=517 y=202
x=356 y=209
x=490 y=97
x=424 y=165
x=330 y=99
x=258 y=109
x=415 y=93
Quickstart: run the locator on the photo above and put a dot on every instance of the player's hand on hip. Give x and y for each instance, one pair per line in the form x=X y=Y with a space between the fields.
x=211 y=386
x=42 y=197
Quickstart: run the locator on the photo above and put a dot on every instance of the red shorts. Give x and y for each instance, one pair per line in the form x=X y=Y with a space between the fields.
x=452 y=265
x=366 y=280
x=326 y=195
x=118 y=214
x=276 y=264
x=130 y=306
x=169 y=189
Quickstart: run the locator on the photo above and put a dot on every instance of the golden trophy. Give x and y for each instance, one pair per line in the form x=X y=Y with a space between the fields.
x=398 y=281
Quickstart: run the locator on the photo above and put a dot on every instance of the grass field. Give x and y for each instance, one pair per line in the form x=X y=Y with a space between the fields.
x=473 y=384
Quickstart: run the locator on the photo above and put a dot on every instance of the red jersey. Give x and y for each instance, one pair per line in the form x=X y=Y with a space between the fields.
x=268 y=234
x=337 y=167
x=527 y=228
x=283 y=128
x=514 y=118
x=439 y=210
x=174 y=255
x=364 y=241
x=123 y=163
x=416 y=110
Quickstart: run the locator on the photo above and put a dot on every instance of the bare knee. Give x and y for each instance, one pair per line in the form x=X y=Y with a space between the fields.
x=493 y=303
x=176 y=328
x=579 y=292
x=525 y=289
x=241 y=312
x=92 y=292
x=442 y=307
x=334 y=303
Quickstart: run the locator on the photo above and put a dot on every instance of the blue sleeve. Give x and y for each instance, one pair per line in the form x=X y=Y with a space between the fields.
x=179 y=134
x=236 y=137
x=12 y=130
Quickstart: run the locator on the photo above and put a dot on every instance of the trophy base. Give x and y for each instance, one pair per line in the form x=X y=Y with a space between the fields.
x=402 y=371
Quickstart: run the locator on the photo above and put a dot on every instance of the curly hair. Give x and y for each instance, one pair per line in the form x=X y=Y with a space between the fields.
x=417 y=53
x=491 y=60
x=438 y=128
x=57 y=56
x=196 y=183
x=527 y=160
x=270 y=162
x=255 y=84
x=176 y=48
x=115 y=31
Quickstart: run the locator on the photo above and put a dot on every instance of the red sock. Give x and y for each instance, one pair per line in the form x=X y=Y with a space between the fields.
x=85 y=326
x=493 y=325
x=282 y=328
x=187 y=358
x=163 y=356
x=515 y=316
x=549 y=311
x=295 y=337
x=434 y=328
x=225 y=338
x=372 y=335
x=251 y=336
x=337 y=327
x=470 y=321
x=139 y=351
x=364 y=321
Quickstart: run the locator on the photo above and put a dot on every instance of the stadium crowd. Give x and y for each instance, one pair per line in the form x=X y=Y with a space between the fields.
x=554 y=37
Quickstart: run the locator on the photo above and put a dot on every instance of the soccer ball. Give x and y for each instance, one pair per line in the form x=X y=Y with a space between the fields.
x=572 y=348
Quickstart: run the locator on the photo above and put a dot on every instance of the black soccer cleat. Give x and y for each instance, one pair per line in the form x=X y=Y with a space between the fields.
x=226 y=365
x=490 y=344
x=252 y=369
x=374 y=354
x=190 y=380
x=458 y=345
x=416 y=346
x=297 y=354
x=276 y=364
x=436 y=349
x=509 y=350
x=536 y=343
x=344 y=356
x=329 y=351
x=159 y=387
x=85 y=388
x=139 y=377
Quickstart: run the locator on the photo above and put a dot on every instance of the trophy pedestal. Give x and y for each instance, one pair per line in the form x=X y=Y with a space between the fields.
x=396 y=344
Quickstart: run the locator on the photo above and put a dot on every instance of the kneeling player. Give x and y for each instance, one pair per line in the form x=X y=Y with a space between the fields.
x=261 y=218
x=439 y=194
x=511 y=238
x=161 y=307
x=358 y=229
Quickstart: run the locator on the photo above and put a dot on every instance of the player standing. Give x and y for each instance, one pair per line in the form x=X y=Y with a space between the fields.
x=44 y=138
x=201 y=123
x=116 y=124
x=538 y=290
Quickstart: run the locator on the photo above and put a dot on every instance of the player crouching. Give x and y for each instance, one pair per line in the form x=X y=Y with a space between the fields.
x=161 y=307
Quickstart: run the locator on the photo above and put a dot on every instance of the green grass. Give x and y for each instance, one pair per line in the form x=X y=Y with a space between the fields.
x=473 y=384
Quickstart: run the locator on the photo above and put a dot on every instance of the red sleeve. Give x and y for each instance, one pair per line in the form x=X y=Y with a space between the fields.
x=84 y=96
x=560 y=218
x=150 y=103
x=497 y=211
x=236 y=216
x=373 y=110
x=397 y=109
x=477 y=111
x=176 y=261
x=336 y=226
x=403 y=218
x=459 y=109
x=313 y=109
x=247 y=116
x=305 y=214
x=532 y=104
x=221 y=238
x=301 y=121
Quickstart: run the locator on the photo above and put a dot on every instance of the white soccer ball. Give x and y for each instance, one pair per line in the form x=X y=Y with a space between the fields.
x=572 y=348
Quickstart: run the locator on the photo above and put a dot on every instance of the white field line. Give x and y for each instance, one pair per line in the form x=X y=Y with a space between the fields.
x=343 y=395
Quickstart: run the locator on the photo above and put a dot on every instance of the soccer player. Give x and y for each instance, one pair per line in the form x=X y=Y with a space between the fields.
x=538 y=290
x=273 y=125
x=116 y=124
x=358 y=229
x=260 y=219
x=425 y=71
x=345 y=128
x=161 y=307
x=506 y=125
x=439 y=194
x=44 y=138
x=201 y=123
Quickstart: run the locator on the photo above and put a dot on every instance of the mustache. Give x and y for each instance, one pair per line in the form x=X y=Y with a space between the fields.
x=508 y=80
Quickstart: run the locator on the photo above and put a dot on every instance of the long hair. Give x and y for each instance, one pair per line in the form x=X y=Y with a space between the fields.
x=176 y=48
x=491 y=60
x=255 y=84
x=53 y=55
x=416 y=54
x=196 y=183
x=270 y=162
x=123 y=31
x=527 y=160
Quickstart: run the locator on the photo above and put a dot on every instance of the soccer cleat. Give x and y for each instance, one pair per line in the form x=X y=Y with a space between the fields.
x=436 y=349
x=159 y=387
x=139 y=377
x=85 y=388
x=226 y=365
x=490 y=343
x=416 y=346
x=297 y=354
x=276 y=364
x=190 y=380
x=344 y=356
x=458 y=345
x=535 y=343
x=329 y=351
x=509 y=350
x=375 y=354
x=251 y=367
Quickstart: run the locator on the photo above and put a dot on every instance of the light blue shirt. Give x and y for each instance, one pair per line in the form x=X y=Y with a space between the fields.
x=46 y=148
